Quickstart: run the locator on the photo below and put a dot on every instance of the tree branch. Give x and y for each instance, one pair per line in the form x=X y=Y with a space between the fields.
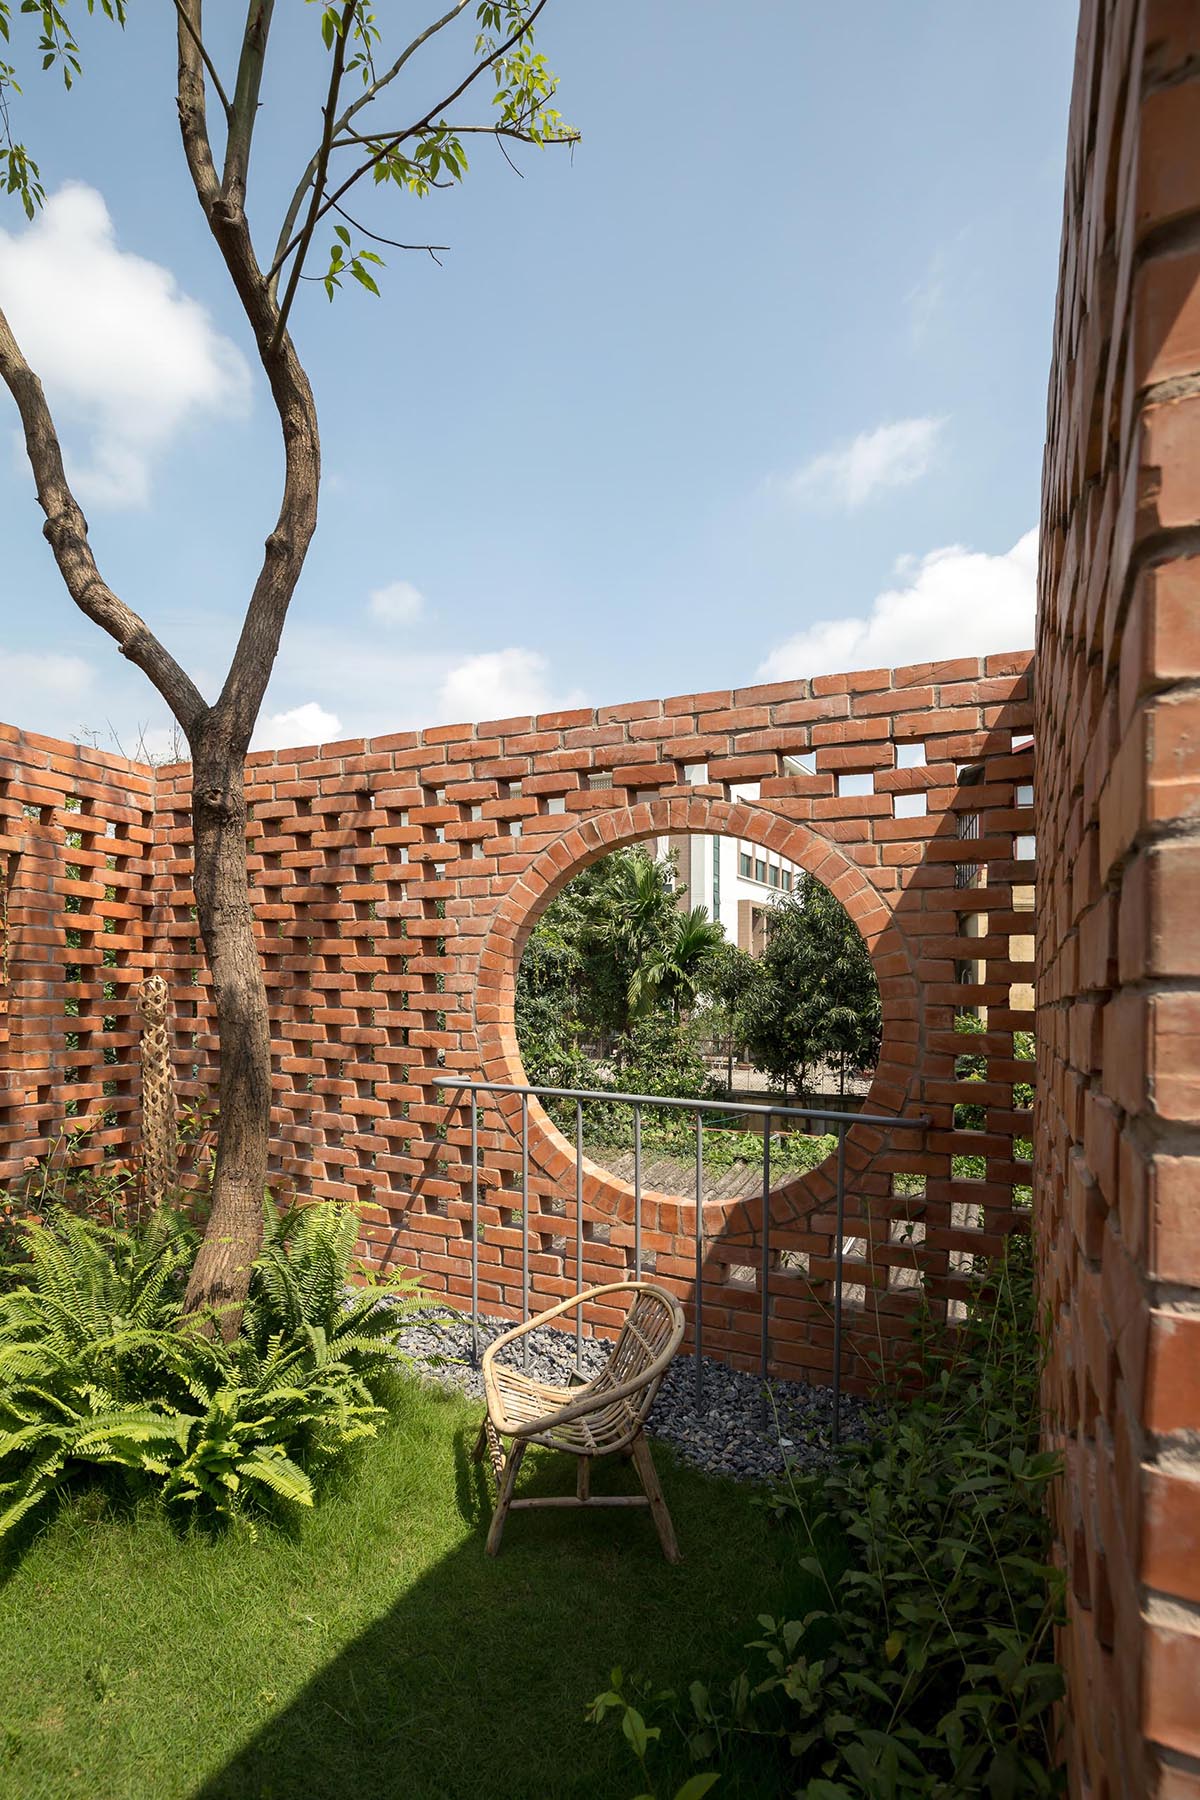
x=193 y=105
x=222 y=96
x=318 y=213
x=376 y=87
x=67 y=534
x=496 y=131
x=393 y=243
x=245 y=99
x=310 y=224
x=231 y=720
x=364 y=99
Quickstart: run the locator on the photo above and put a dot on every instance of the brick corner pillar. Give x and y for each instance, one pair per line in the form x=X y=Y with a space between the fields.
x=1117 y=1155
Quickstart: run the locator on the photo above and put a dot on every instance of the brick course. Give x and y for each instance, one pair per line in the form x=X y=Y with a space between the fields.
x=1118 y=809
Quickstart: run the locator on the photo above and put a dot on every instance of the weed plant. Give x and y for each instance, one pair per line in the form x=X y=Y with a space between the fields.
x=926 y=1667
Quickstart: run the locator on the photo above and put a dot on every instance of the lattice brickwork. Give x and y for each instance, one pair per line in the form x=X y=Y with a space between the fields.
x=1118 y=1143
x=75 y=842
x=396 y=881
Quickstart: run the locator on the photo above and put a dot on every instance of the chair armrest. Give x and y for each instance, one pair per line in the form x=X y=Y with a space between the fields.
x=508 y=1337
x=553 y=1312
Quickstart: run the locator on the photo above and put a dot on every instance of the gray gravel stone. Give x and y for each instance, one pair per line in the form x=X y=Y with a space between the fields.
x=732 y=1432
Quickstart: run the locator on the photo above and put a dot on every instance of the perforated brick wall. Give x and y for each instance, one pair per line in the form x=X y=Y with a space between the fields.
x=1118 y=1138
x=396 y=882
x=76 y=905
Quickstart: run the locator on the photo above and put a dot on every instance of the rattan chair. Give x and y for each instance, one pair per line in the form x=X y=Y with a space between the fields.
x=604 y=1416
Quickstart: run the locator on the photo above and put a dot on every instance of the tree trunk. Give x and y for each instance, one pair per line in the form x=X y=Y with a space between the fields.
x=221 y=1275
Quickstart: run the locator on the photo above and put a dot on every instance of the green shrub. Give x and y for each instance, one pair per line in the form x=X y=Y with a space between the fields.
x=65 y=1177
x=926 y=1669
x=674 y=1135
x=99 y=1371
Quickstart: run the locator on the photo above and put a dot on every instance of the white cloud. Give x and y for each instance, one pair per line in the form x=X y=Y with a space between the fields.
x=43 y=675
x=890 y=456
x=956 y=602
x=378 y=682
x=124 y=354
x=500 y=684
x=307 y=724
x=398 y=603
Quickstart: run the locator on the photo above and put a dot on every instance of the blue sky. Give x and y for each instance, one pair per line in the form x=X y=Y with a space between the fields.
x=752 y=384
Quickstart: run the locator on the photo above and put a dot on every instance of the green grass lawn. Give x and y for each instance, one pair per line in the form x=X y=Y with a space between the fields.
x=375 y=1651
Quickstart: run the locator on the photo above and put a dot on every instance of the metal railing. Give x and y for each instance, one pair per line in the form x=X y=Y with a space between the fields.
x=842 y=1122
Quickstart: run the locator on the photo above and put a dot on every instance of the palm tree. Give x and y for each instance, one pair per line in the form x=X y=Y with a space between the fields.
x=632 y=912
x=636 y=907
x=672 y=970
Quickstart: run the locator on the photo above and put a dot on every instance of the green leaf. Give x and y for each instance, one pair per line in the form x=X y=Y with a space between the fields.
x=638 y=1732
x=697 y=1786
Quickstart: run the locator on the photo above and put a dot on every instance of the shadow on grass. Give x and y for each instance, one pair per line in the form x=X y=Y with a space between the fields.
x=476 y=1680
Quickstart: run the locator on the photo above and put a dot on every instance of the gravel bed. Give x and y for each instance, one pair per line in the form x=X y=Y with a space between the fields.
x=727 y=1436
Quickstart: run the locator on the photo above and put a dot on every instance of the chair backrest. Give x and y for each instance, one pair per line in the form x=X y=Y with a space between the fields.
x=649 y=1338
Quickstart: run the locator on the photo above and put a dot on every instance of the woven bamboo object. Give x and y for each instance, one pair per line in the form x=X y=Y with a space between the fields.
x=158 y=1095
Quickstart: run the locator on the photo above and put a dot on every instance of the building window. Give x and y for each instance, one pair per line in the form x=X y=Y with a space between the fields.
x=760 y=869
x=774 y=875
x=786 y=880
x=744 y=864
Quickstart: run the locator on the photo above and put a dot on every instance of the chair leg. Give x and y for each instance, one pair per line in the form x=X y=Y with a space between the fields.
x=583 y=1479
x=643 y=1462
x=508 y=1482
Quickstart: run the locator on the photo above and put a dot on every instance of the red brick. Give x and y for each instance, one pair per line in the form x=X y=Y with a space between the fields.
x=1168 y=184
x=1170 y=1559
x=1166 y=311
x=1170 y=1684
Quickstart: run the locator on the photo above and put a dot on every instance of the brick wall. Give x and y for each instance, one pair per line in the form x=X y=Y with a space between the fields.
x=76 y=905
x=396 y=881
x=1118 y=705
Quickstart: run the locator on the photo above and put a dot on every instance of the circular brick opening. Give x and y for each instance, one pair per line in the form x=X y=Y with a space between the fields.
x=714 y=900
x=547 y=875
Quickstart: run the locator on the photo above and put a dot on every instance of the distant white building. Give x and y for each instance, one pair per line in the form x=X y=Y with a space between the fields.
x=737 y=881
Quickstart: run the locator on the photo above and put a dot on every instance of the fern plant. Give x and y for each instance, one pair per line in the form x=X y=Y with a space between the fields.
x=99 y=1369
x=300 y=1290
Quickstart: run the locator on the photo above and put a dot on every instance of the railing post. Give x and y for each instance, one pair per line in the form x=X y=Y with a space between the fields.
x=524 y=1224
x=765 y=1277
x=579 y=1234
x=474 y=1225
x=637 y=1193
x=836 y=1432
x=699 y=1260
